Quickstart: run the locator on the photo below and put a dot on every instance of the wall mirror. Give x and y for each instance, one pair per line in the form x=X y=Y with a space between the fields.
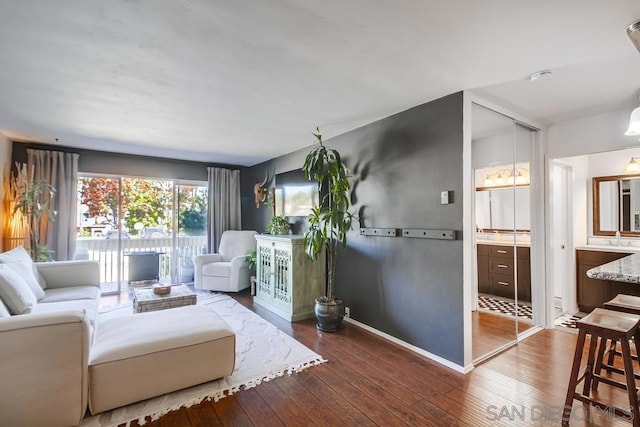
x=502 y=200
x=616 y=205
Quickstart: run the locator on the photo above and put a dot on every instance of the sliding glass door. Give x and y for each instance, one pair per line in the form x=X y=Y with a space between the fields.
x=141 y=230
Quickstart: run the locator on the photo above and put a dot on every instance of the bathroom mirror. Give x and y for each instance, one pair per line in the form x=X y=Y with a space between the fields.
x=616 y=205
x=494 y=209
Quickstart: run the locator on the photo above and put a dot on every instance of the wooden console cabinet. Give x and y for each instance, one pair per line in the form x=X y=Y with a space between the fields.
x=593 y=293
x=496 y=271
x=287 y=282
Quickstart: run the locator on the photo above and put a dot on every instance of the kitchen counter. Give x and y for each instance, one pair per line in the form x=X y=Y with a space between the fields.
x=625 y=269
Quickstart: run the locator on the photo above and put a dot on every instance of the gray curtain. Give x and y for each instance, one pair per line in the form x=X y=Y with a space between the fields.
x=224 y=204
x=61 y=171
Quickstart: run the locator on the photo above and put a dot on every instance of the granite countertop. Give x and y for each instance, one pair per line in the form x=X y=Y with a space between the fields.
x=604 y=248
x=625 y=269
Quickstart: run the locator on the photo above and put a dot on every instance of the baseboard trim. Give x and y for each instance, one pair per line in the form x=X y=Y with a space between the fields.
x=411 y=347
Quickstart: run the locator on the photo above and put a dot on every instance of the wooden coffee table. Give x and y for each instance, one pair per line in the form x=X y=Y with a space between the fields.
x=145 y=300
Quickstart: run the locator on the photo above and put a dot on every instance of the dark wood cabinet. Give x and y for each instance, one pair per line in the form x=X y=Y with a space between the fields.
x=593 y=293
x=497 y=269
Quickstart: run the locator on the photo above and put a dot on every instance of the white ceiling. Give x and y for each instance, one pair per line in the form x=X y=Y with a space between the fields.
x=245 y=81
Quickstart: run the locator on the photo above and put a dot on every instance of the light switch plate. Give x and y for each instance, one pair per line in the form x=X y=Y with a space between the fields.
x=444 y=198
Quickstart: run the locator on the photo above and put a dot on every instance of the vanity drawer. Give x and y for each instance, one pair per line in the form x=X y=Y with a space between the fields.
x=501 y=251
x=502 y=285
x=499 y=265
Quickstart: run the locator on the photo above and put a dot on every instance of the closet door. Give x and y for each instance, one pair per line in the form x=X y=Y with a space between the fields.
x=493 y=158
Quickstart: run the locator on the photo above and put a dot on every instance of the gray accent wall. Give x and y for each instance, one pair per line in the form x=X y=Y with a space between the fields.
x=408 y=288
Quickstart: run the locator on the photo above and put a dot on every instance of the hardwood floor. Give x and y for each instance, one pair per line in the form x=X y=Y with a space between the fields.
x=369 y=381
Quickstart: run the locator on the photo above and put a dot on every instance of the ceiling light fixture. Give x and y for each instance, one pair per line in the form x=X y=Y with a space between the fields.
x=541 y=75
x=632 y=166
x=633 y=31
x=634 y=123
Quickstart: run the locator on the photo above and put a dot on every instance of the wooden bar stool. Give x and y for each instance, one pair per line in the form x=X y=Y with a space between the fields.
x=602 y=325
x=624 y=304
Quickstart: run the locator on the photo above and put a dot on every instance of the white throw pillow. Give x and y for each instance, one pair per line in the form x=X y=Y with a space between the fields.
x=25 y=270
x=20 y=254
x=15 y=292
x=4 y=311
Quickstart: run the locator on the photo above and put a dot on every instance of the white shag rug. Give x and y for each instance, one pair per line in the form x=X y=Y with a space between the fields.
x=263 y=353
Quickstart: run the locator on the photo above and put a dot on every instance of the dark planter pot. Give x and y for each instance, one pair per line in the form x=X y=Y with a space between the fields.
x=329 y=314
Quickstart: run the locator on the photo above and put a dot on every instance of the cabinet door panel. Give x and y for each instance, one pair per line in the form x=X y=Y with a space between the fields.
x=282 y=277
x=484 y=284
x=264 y=271
x=592 y=293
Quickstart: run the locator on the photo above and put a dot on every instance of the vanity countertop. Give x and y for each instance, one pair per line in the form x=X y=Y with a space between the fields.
x=625 y=269
x=505 y=242
x=604 y=248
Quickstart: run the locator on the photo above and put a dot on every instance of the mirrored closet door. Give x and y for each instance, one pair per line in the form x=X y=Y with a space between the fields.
x=501 y=153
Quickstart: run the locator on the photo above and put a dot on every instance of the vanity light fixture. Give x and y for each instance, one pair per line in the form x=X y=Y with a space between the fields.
x=499 y=179
x=488 y=182
x=632 y=166
x=634 y=123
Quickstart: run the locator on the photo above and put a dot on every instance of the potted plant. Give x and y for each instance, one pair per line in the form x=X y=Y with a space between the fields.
x=32 y=200
x=329 y=224
x=251 y=258
x=278 y=225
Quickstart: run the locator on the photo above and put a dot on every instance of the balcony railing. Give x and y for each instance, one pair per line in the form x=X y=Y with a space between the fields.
x=114 y=262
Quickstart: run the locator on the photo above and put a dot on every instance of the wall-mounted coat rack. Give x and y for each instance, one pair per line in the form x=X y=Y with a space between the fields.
x=424 y=233
x=385 y=232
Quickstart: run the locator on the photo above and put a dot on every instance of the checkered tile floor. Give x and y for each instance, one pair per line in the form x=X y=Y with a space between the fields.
x=505 y=306
x=568 y=320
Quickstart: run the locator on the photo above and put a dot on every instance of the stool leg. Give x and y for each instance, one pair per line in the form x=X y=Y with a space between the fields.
x=603 y=345
x=612 y=353
x=589 y=370
x=631 y=381
x=573 y=378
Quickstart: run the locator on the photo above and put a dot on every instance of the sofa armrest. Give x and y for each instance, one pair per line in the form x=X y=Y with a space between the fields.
x=62 y=274
x=198 y=262
x=43 y=374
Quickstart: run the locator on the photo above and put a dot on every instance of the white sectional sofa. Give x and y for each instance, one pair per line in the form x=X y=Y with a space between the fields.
x=44 y=353
x=53 y=365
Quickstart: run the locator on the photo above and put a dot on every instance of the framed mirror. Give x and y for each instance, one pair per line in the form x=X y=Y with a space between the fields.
x=616 y=205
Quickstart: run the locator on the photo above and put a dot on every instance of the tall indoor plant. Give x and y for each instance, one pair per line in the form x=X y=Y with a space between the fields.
x=329 y=224
x=32 y=200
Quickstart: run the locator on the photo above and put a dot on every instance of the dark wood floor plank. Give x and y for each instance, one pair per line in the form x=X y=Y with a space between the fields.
x=256 y=408
x=289 y=412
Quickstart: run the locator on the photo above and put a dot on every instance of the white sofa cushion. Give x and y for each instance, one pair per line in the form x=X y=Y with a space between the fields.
x=4 y=311
x=15 y=292
x=70 y=294
x=219 y=269
x=26 y=271
x=19 y=254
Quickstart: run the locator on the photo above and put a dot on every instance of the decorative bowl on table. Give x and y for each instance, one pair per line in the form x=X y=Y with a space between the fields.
x=162 y=289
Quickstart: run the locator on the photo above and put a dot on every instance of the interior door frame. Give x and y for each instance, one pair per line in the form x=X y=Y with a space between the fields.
x=538 y=225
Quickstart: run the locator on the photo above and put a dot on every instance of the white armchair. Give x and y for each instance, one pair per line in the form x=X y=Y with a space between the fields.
x=225 y=271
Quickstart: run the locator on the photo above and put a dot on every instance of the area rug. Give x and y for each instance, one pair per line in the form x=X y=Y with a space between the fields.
x=263 y=353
